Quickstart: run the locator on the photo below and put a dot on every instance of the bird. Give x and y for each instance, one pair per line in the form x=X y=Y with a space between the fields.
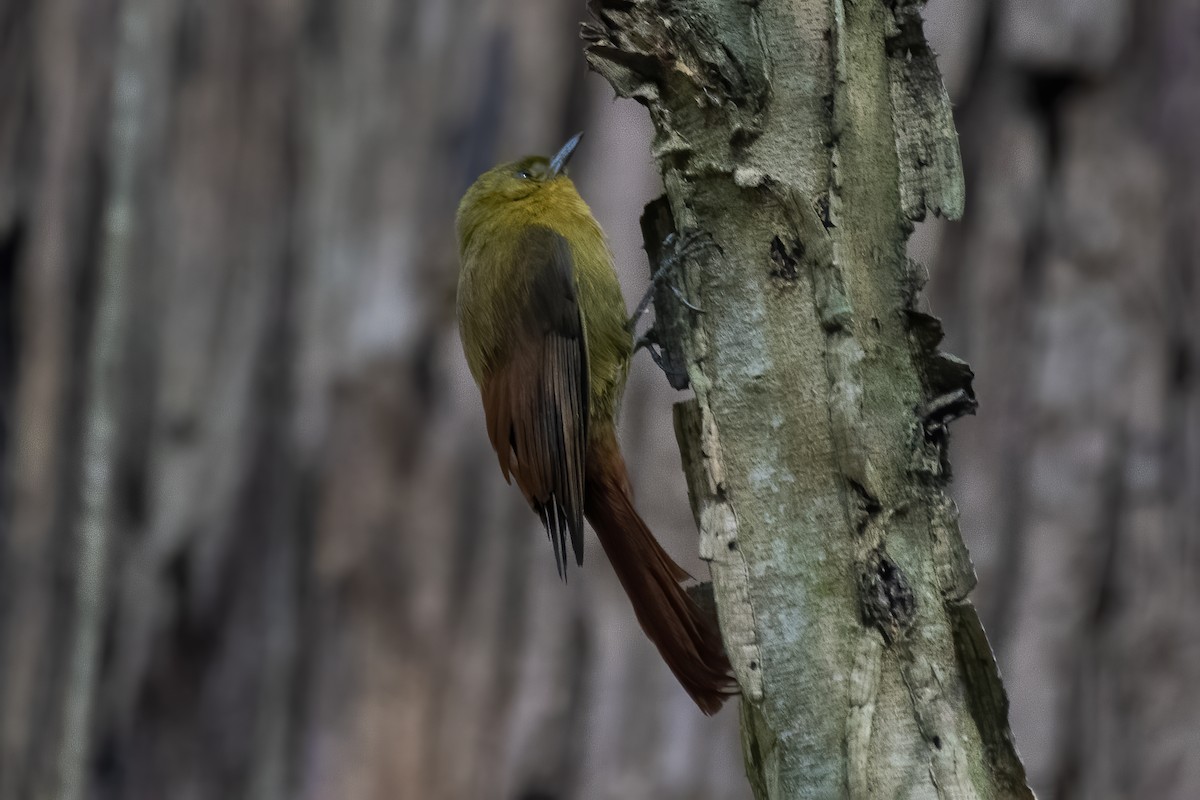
x=546 y=338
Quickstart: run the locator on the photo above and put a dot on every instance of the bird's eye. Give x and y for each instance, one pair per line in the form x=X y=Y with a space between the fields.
x=524 y=175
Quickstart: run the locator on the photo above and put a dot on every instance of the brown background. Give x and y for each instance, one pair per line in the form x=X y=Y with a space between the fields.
x=321 y=588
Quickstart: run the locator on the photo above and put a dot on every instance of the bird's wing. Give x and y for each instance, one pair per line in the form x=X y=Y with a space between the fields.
x=536 y=396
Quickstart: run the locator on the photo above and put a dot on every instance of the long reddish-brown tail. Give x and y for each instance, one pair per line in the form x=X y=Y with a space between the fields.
x=686 y=637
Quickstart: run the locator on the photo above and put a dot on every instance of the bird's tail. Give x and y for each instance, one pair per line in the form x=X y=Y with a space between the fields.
x=687 y=638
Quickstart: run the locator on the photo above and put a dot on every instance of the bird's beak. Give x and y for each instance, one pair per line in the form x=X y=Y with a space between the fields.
x=559 y=162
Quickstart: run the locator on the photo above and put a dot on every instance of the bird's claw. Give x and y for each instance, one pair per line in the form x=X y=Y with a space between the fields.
x=648 y=341
x=678 y=294
x=691 y=242
x=675 y=249
x=676 y=375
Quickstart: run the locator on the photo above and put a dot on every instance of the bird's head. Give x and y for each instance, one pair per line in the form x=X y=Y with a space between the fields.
x=526 y=183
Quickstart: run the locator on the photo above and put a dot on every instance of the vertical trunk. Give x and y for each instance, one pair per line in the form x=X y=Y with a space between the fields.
x=801 y=141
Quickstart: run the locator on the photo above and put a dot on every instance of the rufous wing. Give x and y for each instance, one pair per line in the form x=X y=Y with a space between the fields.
x=535 y=396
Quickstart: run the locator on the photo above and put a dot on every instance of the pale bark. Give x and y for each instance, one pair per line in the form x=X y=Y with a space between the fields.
x=803 y=140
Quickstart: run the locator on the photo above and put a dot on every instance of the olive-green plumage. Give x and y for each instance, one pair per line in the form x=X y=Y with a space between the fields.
x=546 y=337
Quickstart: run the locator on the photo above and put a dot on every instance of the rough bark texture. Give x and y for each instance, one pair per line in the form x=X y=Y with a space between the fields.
x=798 y=143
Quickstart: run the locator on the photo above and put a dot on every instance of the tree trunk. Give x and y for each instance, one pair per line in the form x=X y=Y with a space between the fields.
x=801 y=141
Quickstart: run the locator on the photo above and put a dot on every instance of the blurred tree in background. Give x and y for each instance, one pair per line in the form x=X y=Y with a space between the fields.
x=319 y=587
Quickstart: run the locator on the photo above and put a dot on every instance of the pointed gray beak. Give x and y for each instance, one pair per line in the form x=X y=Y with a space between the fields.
x=559 y=162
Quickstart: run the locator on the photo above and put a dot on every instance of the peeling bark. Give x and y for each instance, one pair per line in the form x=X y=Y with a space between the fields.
x=801 y=141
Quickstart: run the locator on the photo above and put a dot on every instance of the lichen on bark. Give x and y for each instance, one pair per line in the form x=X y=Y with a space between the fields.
x=802 y=140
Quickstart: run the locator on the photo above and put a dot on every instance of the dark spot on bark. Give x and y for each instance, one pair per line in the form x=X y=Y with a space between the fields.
x=742 y=137
x=786 y=259
x=886 y=596
x=753 y=665
x=866 y=505
x=937 y=742
x=733 y=546
x=823 y=210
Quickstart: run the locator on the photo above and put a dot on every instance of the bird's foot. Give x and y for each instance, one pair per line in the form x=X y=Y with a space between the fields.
x=676 y=373
x=648 y=340
x=676 y=248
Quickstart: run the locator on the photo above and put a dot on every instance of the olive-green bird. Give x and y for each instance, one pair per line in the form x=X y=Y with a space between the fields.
x=546 y=337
